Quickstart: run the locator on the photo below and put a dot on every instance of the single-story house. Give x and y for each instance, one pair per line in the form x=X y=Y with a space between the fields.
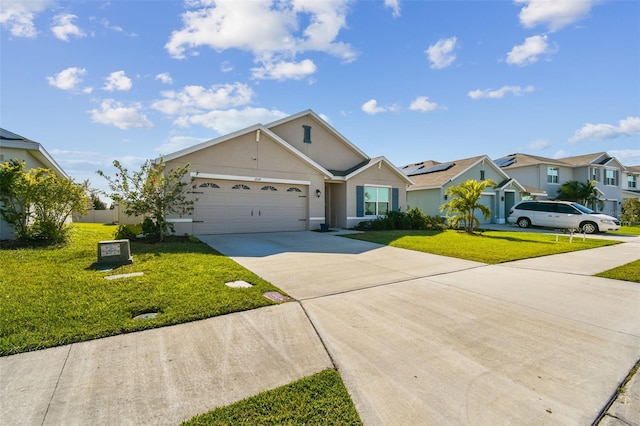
x=16 y=147
x=294 y=174
x=432 y=179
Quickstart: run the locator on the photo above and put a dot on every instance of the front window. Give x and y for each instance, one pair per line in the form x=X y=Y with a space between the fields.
x=595 y=174
x=610 y=177
x=552 y=174
x=376 y=200
x=632 y=181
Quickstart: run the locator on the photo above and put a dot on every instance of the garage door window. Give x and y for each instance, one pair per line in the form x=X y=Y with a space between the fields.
x=268 y=188
x=293 y=189
x=209 y=185
x=376 y=200
x=240 y=186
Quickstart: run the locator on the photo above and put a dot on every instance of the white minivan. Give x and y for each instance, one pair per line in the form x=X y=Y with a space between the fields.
x=562 y=215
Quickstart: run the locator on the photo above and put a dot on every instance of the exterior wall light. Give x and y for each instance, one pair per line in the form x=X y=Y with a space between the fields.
x=318 y=193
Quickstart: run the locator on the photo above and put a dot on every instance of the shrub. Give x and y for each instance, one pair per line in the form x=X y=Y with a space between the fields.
x=631 y=211
x=413 y=219
x=127 y=232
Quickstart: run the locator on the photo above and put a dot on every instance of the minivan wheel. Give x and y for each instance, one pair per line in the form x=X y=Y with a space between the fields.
x=523 y=222
x=589 y=228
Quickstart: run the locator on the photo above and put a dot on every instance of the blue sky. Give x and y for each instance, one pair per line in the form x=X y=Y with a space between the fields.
x=95 y=81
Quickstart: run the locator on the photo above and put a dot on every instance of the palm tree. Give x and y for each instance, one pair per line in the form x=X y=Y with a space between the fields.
x=581 y=192
x=462 y=206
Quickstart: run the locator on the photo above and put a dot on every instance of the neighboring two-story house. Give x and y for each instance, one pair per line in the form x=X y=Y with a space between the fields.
x=614 y=181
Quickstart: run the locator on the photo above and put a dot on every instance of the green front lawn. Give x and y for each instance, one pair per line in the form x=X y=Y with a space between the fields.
x=52 y=296
x=629 y=230
x=320 y=399
x=488 y=247
x=628 y=272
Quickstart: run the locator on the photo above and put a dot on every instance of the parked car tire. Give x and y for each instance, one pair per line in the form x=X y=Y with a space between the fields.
x=589 y=228
x=523 y=222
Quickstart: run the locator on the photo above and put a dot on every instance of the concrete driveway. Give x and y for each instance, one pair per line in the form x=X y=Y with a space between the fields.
x=424 y=339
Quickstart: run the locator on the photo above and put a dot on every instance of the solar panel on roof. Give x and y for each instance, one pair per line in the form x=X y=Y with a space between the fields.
x=411 y=170
x=432 y=169
x=505 y=161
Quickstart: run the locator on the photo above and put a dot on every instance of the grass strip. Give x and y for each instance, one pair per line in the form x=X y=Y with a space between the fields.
x=486 y=247
x=628 y=272
x=51 y=296
x=321 y=399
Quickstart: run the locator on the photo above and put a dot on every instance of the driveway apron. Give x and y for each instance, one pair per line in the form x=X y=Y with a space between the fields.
x=425 y=339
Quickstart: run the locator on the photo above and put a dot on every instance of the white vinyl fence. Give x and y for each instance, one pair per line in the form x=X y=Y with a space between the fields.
x=114 y=215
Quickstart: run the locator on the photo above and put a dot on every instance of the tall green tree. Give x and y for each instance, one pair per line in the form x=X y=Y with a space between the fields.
x=37 y=202
x=153 y=192
x=585 y=193
x=464 y=202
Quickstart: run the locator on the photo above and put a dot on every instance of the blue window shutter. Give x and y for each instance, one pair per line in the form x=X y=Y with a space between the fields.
x=360 y=201
x=395 y=205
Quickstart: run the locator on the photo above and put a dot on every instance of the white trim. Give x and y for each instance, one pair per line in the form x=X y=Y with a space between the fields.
x=377 y=186
x=317 y=218
x=248 y=178
x=358 y=217
x=493 y=194
x=180 y=220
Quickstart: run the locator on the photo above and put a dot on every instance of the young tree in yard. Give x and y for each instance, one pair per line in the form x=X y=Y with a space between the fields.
x=37 y=202
x=585 y=193
x=153 y=192
x=463 y=203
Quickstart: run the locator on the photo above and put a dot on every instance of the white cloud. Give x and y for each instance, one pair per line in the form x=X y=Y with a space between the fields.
x=394 y=5
x=67 y=79
x=421 y=103
x=117 y=80
x=176 y=143
x=228 y=121
x=628 y=157
x=165 y=77
x=226 y=66
x=539 y=144
x=274 y=31
x=555 y=14
x=441 y=54
x=372 y=107
x=627 y=127
x=530 y=51
x=17 y=16
x=198 y=99
x=500 y=93
x=105 y=23
x=285 y=70
x=63 y=27
x=115 y=113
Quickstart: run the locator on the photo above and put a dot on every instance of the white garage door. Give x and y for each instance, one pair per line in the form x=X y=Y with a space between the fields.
x=223 y=207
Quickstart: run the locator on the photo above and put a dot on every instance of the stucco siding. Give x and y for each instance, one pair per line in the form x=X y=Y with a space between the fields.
x=20 y=154
x=373 y=176
x=325 y=148
x=427 y=200
x=243 y=159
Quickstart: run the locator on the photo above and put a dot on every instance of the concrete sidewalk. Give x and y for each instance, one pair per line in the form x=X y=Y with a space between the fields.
x=417 y=338
x=161 y=376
